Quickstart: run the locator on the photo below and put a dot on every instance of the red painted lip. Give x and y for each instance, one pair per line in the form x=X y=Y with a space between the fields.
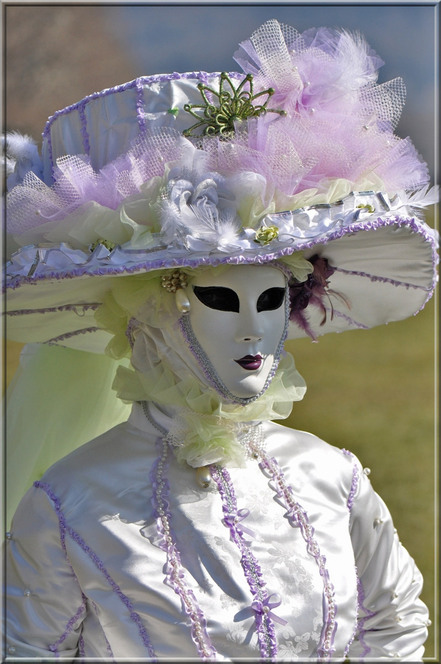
x=250 y=362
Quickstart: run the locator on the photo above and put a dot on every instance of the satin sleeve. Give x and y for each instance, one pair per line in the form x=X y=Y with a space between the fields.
x=392 y=620
x=44 y=603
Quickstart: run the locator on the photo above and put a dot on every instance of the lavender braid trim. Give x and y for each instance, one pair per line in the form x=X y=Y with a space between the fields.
x=79 y=309
x=385 y=280
x=297 y=517
x=368 y=614
x=354 y=487
x=355 y=481
x=84 y=133
x=73 y=621
x=65 y=528
x=140 y=105
x=175 y=575
x=81 y=650
x=69 y=628
x=350 y=502
x=262 y=604
x=338 y=314
x=357 y=609
x=69 y=335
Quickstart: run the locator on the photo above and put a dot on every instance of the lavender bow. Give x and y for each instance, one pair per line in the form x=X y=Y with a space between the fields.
x=233 y=521
x=266 y=606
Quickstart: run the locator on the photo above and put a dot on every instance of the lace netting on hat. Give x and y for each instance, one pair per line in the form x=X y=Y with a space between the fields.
x=384 y=102
x=321 y=69
x=34 y=203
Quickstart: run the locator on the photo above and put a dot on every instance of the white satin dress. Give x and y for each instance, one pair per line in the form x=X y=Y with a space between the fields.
x=292 y=557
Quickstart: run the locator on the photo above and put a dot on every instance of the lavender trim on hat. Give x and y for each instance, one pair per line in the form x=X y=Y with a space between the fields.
x=402 y=242
x=298 y=230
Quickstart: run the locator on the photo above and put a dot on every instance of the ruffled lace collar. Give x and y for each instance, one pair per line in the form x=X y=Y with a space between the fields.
x=201 y=428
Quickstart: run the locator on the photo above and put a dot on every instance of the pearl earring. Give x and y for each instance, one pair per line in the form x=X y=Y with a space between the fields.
x=182 y=301
x=175 y=282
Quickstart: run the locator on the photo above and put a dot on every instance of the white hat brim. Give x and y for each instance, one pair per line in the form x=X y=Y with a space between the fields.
x=384 y=270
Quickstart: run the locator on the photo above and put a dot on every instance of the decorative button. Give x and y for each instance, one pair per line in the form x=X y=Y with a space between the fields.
x=377 y=522
x=203 y=477
x=8 y=536
x=27 y=593
x=11 y=650
x=367 y=471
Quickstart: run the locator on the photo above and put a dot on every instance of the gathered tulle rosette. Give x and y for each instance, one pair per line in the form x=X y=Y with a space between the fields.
x=339 y=122
x=212 y=436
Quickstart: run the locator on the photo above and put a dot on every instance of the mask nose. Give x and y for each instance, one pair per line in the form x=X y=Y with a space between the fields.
x=250 y=337
x=249 y=329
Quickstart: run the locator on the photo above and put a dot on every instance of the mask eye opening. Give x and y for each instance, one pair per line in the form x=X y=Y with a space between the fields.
x=217 y=297
x=271 y=299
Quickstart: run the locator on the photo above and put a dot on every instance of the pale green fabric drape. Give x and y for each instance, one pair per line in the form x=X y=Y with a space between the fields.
x=58 y=399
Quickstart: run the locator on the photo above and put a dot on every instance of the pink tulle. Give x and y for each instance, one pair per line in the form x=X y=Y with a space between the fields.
x=33 y=203
x=340 y=122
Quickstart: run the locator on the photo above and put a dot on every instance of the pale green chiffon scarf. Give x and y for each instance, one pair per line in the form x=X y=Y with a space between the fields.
x=58 y=399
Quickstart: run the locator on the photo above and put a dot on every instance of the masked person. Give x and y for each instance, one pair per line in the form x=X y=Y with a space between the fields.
x=190 y=222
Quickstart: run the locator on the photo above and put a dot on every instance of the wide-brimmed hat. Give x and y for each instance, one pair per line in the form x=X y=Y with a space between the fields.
x=295 y=154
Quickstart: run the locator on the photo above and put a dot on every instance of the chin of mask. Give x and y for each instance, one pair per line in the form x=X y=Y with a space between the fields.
x=237 y=325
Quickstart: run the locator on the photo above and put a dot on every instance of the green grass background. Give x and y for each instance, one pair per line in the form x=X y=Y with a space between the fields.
x=373 y=393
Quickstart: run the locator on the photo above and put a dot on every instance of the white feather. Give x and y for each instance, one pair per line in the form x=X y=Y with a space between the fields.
x=421 y=198
x=21 y=157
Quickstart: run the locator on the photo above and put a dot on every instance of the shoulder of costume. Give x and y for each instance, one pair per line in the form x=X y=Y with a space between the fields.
x=95 y=463
x=295 y=444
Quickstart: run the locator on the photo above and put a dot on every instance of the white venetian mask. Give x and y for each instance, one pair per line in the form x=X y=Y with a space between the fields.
x=236 y=326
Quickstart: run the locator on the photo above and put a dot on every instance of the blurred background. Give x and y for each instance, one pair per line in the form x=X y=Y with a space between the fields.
x=373 y=392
